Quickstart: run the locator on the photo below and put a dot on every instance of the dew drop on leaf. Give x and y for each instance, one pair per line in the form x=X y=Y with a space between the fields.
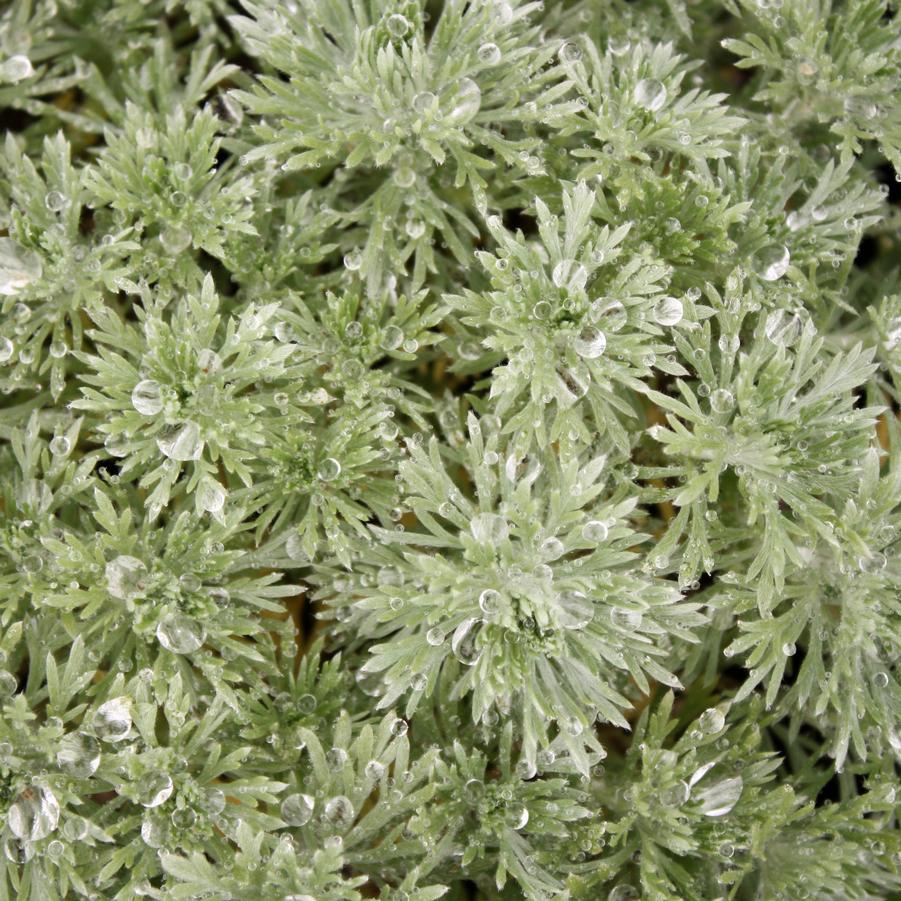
x=154 y=789
x=574 y=610
x=595 y=531
x=180 y=634
x=18 y=267
x=175 y=239
x=489 y=54
x=297 y=809
x=147 y=397
x=339 y=811
x=711 y=721
x=650 y=94
x=78 y=754
x=590 y=343
x=721 y=400
x=668 y=311
x=783 y=328
x=33 y=815
x=125 y=577
x=463 y=642
x=17 y=68
x=489 y=528
x=717 y=800
x=112 y=720
x=182 y=444
x=397 y=25
x=772 y=262
x=630 y=620
x=467 y=101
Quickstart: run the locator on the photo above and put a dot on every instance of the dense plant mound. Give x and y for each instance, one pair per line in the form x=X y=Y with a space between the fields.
x=450 y=448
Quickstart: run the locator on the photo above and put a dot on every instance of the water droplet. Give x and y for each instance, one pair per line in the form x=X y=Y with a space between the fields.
x=339 y=811
x=575 y=610
x=210 y=495
x=78 y=754
x=610 y=315
x=374 y=770
x=404 y=176
x=489 y=528
x=392 y=337
x=595 y=530
x=435 y=636
x=33 y=815
x=208 y=361
x=60 y=446
x=17 y=68
x=336 y=758
x=8 y=684
x=576 y=382
x=424 y=101
x=728 y=344
x=490 y=602
x=727 y=849
x=789 y=649
x=125 y=577
x=668 y=311
x=717 y=800
x=873 y=562
x=590 y=343
x=184 y=444
x=112 y=720
x=353 y=260
x=147 y=397
x=572 y=726
x=154 y=789
x=153 y=833
x=55 y=201
x=467 y=101
x=712 y=721
x=294 y=547
x=517 y=817
x=415 y=228
x=772 y=262
x=329 y=470
x=489 y=54
x=297 y=809
x=473 y=790
x=18 y=267
x=399 y=728
x=630 y=620
x=650 y=94
x=545 y=757
x=182 y=171
x=7 y=348
x=397 y=25
x=180 y=634
x=463 y=642
x=722 y=401
x=570 y=52
x=213 y=802
x=175 y=239
x=551 y=549
x=782 y=328
x=881 y=680
x=571 y=275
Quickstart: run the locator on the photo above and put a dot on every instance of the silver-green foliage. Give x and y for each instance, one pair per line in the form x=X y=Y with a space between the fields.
x=449 y=449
